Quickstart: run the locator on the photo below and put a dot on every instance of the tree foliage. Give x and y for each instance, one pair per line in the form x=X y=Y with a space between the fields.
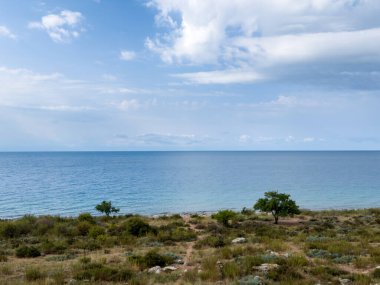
x=106 y=208
x=279 y=204
x=224 y=216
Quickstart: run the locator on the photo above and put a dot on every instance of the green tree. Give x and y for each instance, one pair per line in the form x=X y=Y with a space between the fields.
x=224 y=216
x=279 y=204
x=106 y=208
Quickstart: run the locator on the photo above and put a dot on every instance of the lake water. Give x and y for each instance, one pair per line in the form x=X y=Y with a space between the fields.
x=67 y=183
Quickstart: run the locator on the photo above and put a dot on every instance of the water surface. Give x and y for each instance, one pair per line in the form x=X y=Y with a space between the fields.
x=67 y=183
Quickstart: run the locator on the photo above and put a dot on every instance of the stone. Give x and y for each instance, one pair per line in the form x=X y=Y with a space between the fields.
x=344 y=281
x=265 y=267
x=169 y=268
x=239 y=240
x=155 y=269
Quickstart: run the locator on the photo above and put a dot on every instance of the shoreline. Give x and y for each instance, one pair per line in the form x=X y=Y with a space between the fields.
x=186 y=213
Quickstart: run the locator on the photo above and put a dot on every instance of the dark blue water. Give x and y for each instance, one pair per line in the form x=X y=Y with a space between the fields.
x=157 y=182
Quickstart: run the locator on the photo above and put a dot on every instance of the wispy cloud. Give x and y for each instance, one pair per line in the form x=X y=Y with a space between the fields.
x=60 y=27
x=127 y=55
x=221 y=77
x=5 y=32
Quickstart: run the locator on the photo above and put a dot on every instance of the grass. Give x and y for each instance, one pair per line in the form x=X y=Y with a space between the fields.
x=314 y=247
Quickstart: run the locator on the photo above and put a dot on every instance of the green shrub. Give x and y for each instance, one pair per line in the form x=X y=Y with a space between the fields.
x=376 y=273
x=96 y=231
x=53 y=247
x=33 y=274
x=152 y=258
x=100 y=272
x=83 y=228
x=211 y=241
x=137 y=227
x=26 y=251
x=9 y=230
x=175 y=235
x=224 y=216
x=86 y=217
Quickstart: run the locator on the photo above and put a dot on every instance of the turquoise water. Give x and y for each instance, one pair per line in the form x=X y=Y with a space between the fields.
x=67 y=183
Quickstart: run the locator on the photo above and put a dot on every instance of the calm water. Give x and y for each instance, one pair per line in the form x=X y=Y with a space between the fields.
x=157 y=182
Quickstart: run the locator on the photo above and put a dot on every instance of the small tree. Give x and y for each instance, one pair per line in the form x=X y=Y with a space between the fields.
x=279 y=204
x=106 y=208
x=224 y=216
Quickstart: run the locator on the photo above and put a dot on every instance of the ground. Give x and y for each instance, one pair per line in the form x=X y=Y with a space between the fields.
x=325 y=247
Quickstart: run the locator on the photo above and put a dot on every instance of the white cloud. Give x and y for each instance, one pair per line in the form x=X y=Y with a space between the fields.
x=251 y=39
x=244 y=138
x=127 y=55
x=60 y=27
x=128 y=104
x=5 y=32
x=309 y=139
x=221 y=77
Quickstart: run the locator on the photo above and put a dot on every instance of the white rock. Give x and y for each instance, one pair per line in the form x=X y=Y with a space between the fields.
x=265 y=267
x=155 y=269
x=344 y=281
x=169 y=268
x=239 y=240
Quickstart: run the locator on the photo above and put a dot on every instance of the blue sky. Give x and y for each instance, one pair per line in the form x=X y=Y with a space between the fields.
x=189 y=75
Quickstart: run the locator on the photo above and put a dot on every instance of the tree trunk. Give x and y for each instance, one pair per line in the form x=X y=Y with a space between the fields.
x=276 y=220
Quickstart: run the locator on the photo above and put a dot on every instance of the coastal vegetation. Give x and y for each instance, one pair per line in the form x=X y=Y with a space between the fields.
x=312 y=247
x=278 y=204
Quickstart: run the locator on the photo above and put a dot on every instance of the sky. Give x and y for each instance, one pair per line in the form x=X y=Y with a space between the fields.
x=189 y=75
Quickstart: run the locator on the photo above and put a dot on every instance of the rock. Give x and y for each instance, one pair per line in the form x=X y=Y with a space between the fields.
x=286 y=254
x=377 y=267
x=155 y=269
x=273 y=253
x=169 y=268
x=251 y=280
x=344 y=281
x=239 y=240
x=265 y=267
x=179 y=261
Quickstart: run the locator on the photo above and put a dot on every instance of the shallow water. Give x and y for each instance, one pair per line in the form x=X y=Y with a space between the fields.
x=67 y=183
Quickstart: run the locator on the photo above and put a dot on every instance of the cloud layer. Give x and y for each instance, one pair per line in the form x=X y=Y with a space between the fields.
x=258 y=38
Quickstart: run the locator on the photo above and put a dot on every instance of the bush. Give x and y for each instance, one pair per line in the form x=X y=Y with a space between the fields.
x=86 y=217
x=99 y=272
x=137 y=227
x=178 y=234
x=33 y=274
x=211 y=241
x=25 y=251
x=53 y=247
x=83 y=228
x=224 y=217
x=152 y=258
x=9 y=230
x=96 y=231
